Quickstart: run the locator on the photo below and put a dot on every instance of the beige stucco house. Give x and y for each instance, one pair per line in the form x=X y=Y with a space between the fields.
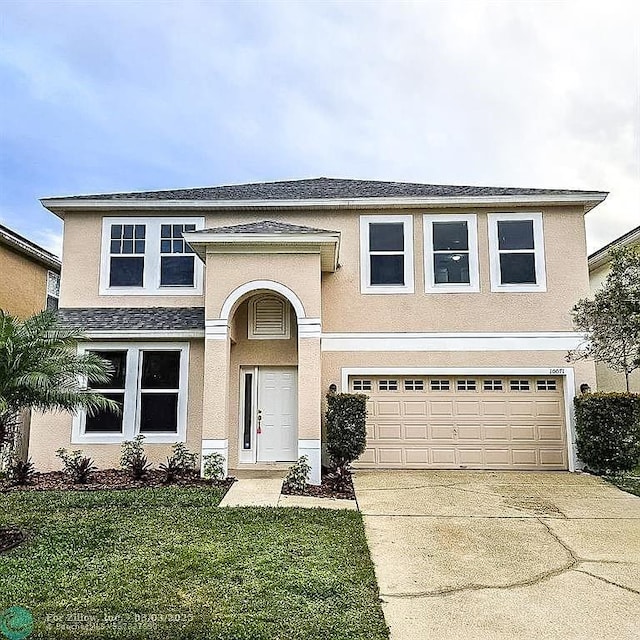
x=229 y=311
x=29 y=275
x=599 y=267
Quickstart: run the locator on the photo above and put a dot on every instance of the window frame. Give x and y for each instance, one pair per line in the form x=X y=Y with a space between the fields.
x=430 y=286
x=365 y=265
x=151 y=273
x=538 y=252
x=132 y=394
x=49 y=293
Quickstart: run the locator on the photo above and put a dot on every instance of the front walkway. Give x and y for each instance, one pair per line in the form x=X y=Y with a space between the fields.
x=513 y=556
x=262 y=489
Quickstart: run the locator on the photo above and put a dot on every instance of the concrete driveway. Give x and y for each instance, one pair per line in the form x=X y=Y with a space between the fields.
x=491 y=555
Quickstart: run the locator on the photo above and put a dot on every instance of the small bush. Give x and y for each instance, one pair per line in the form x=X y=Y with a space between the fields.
x=213 y=467
x=298 y=475
x=133 y=459
x=21 y=472
x=608 y=431
x=184 y=460
x=79 y=468
x=346 y=433
x=171 y=470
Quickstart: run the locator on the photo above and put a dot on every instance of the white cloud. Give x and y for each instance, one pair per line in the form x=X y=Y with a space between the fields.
x=150 y=95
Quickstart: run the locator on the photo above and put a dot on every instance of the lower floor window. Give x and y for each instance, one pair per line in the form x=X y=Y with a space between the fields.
x=149 y=384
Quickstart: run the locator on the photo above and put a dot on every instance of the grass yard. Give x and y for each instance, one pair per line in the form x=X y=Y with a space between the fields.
x=629 y=482
x=168 y=563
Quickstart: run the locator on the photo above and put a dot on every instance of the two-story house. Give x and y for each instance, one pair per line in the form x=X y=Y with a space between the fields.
x=229 y=312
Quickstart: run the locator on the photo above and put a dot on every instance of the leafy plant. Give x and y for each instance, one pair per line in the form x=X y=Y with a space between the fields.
x=612 y=319
x=184 y=459
x=346 y=433
x=21 y=472
x=298 y=475
x=79 y=468
x=171 y=470
x=213 y=466
x=41 y=369
x=133 y=459
x=608 y=431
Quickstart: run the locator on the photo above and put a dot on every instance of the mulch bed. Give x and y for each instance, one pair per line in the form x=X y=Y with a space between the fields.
x=10 y=538
x=110 y=479
x=325 y=490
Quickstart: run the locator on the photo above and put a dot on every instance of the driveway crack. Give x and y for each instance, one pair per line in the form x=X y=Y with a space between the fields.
x=572 y=563
x=611 y=582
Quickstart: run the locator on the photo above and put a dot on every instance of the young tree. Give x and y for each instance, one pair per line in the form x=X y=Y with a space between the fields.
x=611 y=321
x=40 y=368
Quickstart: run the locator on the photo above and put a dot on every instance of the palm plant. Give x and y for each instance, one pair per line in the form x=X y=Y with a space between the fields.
x=41 y=369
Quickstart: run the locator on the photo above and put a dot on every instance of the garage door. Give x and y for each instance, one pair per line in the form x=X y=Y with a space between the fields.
x=454 y=422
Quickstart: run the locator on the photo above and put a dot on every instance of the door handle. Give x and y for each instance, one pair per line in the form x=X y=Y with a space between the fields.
x=259 y=429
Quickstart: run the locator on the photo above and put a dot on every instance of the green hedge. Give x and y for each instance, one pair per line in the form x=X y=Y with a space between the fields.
x=608 y=431
x=346 y=427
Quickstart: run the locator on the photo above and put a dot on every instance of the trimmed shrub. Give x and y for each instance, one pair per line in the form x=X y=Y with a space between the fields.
x=346 y=432
x=608 y=431
x=298 y=475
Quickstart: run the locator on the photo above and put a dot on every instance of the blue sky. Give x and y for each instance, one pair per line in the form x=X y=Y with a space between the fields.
x=116 y=96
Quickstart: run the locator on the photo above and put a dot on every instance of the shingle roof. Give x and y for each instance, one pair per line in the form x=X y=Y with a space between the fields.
x=322 y=188
x=125 y=319
x=265 y=227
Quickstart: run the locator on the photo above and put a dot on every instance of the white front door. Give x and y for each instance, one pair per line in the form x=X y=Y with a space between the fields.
x=277 y=429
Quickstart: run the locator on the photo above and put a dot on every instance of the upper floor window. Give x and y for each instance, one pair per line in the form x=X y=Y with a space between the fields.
x=516 y=251
x=386 y=254
x=149 y=256
x=451 y=253
x=53 y=290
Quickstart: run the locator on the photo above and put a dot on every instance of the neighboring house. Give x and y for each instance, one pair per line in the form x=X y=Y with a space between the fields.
x=229 y=311
x=599 y=267
x=29 y=275
x=29 y=283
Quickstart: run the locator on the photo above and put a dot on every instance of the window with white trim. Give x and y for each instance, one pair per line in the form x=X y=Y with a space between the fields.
x=387 y=385
x=519 y=385
x=269 y=318
x=466 y=385
x=414 y=385
x=492 y=385
x=177 y=259
x=440 y=385
x=53 y=290
x=149 y=382
x=516 y=252
x=546 y=385
x=361 y=385
x=451 y=253
x=149 y=256
x=386 y=254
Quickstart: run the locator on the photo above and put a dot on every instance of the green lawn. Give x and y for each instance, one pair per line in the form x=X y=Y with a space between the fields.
x=168 y=563
x=629 y=482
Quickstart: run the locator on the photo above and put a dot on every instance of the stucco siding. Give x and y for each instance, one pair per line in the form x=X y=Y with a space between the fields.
x=23 y=284
x=344 y=309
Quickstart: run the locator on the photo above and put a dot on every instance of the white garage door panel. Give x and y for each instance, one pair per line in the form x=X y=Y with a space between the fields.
x=519 y=426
